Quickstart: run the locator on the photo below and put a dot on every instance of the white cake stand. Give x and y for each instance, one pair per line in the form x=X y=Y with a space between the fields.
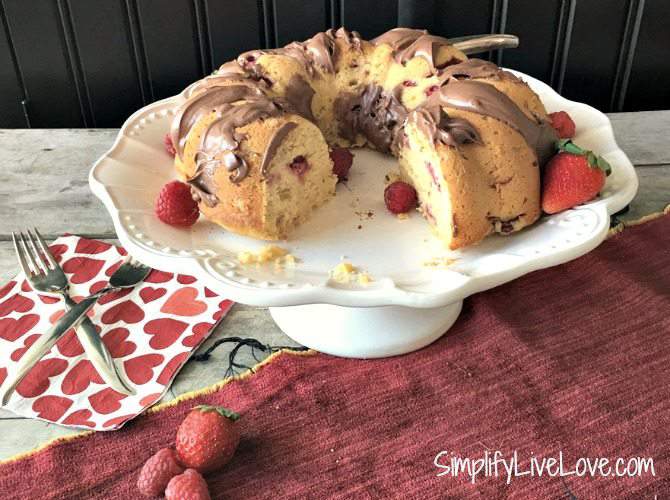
x=409 y=304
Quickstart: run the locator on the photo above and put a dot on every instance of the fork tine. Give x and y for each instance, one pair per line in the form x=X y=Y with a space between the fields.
x=45 y=250
x=44 y=253
x=41 y=260
x=34 y=269
x=33 y=258
x=20 y=253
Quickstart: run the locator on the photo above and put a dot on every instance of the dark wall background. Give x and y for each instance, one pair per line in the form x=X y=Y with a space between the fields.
x=90 y=63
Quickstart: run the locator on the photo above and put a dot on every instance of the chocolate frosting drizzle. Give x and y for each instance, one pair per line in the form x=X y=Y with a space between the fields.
x=484 y=99
x=375 y=114
x=320 y=51
x=408 y=43
x=434 y=122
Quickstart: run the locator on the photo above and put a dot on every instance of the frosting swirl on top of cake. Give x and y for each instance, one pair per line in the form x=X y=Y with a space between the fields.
x=408 y=43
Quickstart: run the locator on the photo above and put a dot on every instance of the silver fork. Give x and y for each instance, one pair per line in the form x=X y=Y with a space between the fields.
x=127 y=275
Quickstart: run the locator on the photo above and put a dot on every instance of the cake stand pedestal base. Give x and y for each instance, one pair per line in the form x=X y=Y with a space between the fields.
x=365 y=332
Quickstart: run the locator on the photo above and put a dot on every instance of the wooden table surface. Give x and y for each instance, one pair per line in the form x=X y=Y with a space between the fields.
x=45 y=185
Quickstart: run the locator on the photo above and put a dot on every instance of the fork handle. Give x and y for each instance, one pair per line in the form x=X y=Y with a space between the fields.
x=98 y=354
x=43 y=344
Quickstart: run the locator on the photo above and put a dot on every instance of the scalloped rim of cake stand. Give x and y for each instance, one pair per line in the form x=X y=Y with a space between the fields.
x=449 y=286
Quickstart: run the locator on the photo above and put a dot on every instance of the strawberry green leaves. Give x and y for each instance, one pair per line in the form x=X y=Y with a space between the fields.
x=567 y=146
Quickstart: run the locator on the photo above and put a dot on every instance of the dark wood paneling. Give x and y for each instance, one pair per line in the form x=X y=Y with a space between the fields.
x=110 y=75
x=369 y=17
x=463 y=17
x=535 y=24
x=649 y=85
x=11 y=94
x=170 y=33
x=37 y=32
x=594 y=51
x=298 y=20
x=234 y=26
x=93 y=62
x=413 y=14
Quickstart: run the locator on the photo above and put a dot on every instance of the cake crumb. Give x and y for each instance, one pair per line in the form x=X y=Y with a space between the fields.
x=392 y=177
x=346 y=272
x=439 y=262
x=270 y=253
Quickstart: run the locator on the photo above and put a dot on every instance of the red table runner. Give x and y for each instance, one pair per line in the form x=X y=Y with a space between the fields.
x=571 y=361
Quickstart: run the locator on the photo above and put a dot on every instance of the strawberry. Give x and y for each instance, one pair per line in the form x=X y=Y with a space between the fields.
x=187 y=486
x=207 y=438
x=342 y=160
x=169 y=145
x=175 y=205
x=563 y=124
x=400 y=197
x=572 y=177
x=157 y=472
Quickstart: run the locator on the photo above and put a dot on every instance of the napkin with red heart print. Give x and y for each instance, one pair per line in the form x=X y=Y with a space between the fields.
x=150 y=330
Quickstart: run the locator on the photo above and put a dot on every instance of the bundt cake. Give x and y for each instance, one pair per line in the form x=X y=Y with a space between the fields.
x=253 y=138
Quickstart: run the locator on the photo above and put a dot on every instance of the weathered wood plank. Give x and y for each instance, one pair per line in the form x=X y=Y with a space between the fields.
x=643 y=136
x=45 y=181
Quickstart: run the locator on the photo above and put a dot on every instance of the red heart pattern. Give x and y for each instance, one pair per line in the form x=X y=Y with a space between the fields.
x=183 y=303
x=106 y=401
x=200 y=331
x=140 y=370
x=165 y=331
x=116 y=343
x=17 y=303
x=13 y=329
x=151 y=330
x=149 y=399
x=157 y=276
x=91 y=246
x=7 y=288
x=51 y=407
x=80 y=377
x=171 y=368
x=38 y=379
x=69 y=345
x=118 y=421
x=79 y=418
x=27 y=342
x=126 y=311
x=82 y=269
x=185 y=280
x=111 y=297
x=149 y=294
x=46 y=299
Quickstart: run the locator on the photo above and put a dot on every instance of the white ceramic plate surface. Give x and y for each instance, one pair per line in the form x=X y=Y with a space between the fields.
x=129 y=176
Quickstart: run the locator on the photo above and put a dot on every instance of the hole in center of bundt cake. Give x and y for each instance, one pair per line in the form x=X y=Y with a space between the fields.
x=299 y=165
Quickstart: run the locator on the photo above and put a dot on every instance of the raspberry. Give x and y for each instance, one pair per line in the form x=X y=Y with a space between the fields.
x=563 y=124
x=409 y=83
x=157 y=472
x=400 y=197
x=169 y=146
x=430 y=90
x=189 y=485
x=299 y=165
x=175 y=205
x=342 y=160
